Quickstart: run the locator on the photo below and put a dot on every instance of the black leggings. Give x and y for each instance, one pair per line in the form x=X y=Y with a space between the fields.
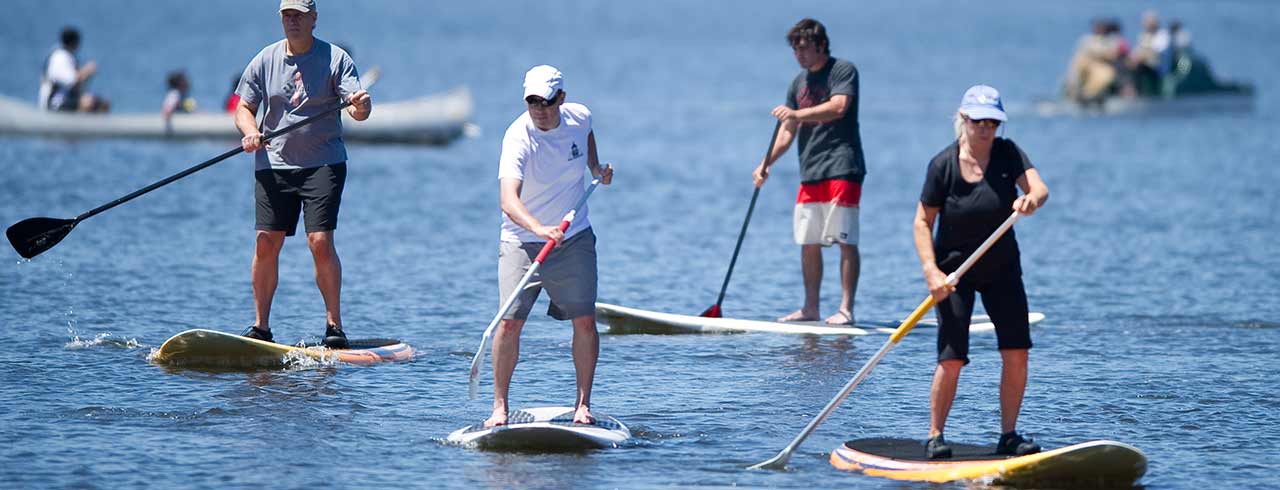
x=1006 y=302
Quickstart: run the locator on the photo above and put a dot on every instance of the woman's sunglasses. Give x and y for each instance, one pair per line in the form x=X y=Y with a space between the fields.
x=985 y=123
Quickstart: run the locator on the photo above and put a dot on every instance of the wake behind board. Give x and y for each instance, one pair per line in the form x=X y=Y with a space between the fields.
x=543 y=429
x=1094 y=463
x=624 y=320
x=209 y=348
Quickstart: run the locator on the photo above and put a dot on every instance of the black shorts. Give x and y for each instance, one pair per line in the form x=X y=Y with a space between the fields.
x=1006 y=302
x=316 y=192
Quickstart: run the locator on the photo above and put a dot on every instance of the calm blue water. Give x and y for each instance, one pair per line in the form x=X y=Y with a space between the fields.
x=1154 y=259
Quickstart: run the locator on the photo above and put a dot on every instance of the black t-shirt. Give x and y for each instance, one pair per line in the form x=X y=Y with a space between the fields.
x=831 y=150
x=971 y=212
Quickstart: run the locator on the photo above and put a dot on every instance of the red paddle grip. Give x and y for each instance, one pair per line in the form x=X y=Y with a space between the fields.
x=546 y=249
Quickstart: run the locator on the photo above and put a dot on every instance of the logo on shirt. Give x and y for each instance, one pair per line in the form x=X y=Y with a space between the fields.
x=811 y=95
x=299 y=90
x=574 y=152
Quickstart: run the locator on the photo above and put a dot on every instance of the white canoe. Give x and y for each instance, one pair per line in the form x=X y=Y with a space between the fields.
x=544 y=429
x=624 y=320
x=433 y=120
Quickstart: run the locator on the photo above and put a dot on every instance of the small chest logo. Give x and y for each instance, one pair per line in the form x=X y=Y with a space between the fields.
x=574 y=152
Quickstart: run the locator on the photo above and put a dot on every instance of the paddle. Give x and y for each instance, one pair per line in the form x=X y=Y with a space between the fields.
x=506 y=305
x=714 y=310
x=32 y=236
x=780 y=461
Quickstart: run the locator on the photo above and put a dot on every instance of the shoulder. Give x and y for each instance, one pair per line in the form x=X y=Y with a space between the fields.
x=61 y=55
x=518 y=130
x=575 y=111
x=843 y=67
x=1007 y=147
x=269 y=52
x=946 y=156
x=336 y=53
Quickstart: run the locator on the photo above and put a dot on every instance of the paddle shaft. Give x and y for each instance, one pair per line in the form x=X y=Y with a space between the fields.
x=909 y=323
x=745 y=221
x=477 y=359
x=206 y=164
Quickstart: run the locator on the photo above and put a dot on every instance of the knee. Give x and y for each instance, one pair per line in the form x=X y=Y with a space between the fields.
x=268 y=242
x=321 y=244
x=950 y=367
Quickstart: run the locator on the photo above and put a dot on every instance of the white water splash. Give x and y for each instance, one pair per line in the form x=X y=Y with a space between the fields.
x=99 y=340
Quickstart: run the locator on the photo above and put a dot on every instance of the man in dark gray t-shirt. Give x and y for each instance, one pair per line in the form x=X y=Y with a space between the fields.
x=821 y=113
x=304 y=170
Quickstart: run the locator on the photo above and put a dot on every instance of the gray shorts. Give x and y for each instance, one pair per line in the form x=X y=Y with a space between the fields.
x=568 y=274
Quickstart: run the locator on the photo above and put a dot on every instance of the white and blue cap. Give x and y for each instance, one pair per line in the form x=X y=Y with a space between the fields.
x=543 y=81
x=303 y=6
x=982 y=102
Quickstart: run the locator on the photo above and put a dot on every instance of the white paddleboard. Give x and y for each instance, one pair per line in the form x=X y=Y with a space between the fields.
x=621 y=319
x=544 y=429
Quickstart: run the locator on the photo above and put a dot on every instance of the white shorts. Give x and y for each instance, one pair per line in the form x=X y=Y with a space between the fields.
x=827 y=213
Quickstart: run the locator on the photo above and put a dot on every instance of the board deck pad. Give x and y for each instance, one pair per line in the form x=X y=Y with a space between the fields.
x=211 y=348
x=1089 y=464
x=543 y=429
x=625 y=320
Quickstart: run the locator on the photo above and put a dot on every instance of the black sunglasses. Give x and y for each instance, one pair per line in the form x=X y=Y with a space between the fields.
x=541 y=102
x=985 y=123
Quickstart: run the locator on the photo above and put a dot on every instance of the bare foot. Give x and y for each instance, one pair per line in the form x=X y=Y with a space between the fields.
x=800 y=316
x=499 y=417
x=583 y=415
x=841 y=318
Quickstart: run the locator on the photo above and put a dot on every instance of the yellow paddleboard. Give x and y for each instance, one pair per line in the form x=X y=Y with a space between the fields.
x=209 y=348
x=1107 y=463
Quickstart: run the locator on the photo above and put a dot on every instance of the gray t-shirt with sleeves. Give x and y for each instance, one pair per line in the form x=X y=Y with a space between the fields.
x=292 y=88
x=830 y=150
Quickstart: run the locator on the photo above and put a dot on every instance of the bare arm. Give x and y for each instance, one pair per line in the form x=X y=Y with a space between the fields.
x=605 y=174
x=248 y=126
x=509 y=192
x=777 y=148
x=1034 y=193
x=834 y=108
x=923 y=228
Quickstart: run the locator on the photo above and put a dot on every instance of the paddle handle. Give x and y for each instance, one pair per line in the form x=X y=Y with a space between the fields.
x=206 y=164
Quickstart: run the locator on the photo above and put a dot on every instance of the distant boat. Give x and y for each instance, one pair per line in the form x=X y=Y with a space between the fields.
x=1189 y=89
x=431 y=120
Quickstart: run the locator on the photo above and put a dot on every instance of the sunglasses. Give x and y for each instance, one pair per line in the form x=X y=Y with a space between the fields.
x=536 y=101
x=984 y=123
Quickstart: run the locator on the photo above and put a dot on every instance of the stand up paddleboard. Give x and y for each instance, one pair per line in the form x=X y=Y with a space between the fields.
x=543 y=429
x=624 y=320
x=1094 y=463
x=209 y=348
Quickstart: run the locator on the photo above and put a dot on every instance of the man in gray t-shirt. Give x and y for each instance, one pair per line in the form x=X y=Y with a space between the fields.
x=821 y=113
x=304 y=170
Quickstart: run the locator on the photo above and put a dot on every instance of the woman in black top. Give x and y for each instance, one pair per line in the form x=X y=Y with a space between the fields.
x=970 y=185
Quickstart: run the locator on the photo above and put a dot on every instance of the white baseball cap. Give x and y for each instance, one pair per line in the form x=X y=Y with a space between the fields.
x=982 y=102
x=543 y=81
x=303 y=6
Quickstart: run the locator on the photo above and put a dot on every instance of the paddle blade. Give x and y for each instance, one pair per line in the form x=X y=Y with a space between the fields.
x=778 y=462
x=712 y=312
x=32 y=236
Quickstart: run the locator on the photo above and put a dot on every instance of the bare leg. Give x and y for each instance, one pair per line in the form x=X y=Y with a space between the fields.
x=942 y=394
x=811 y=267
x=506 y=353
x=1013 y=384
x=850 y=268
x=328 y=274
x=266 y=274
x=586 y=350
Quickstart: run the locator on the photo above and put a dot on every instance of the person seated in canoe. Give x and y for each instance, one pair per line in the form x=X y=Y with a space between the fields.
x=821 y=113
x=1144 y=61
x=178 y=97
x=970 y=188
x=302 y=172
x=1095 y=69
x=540 y=179
x=63 y=86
